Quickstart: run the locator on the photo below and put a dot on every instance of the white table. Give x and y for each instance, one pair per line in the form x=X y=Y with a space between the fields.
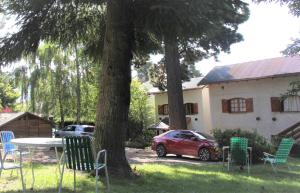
x=34 y=143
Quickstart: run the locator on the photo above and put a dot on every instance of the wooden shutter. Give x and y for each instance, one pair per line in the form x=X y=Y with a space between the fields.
x=225 y=106
x=276 y=104
x=160 y=109
x=195 y=108
x=249 y=105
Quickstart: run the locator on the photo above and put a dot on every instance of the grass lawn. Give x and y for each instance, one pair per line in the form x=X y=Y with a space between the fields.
x=161 y=178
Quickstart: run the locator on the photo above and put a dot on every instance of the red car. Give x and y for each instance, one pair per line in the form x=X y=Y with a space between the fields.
x=185 y=142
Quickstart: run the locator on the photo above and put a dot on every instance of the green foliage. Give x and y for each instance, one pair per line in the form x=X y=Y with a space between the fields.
x=258 y=143
x=48 y=84
x=8 y=93
x=140 y=116
x=140 y=110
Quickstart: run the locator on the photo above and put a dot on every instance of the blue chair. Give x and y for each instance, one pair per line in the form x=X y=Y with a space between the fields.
x=8 y=147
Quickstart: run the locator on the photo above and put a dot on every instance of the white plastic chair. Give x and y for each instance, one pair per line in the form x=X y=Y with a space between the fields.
x=10 y=166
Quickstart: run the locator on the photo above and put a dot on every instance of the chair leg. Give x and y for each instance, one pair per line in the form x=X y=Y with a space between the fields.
x=74 y=180
x=97 y=178
x=228 y=162
x=22 y=179
x=273 y=167
x=61 y=177
x=248 y=163
x=107 y=178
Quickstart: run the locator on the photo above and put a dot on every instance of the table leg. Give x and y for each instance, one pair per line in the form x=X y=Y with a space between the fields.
x=58 y=160
x=31 y=152
x=223 y=156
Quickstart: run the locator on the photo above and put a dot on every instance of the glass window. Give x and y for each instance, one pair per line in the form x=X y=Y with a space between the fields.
x=173 y=134
x=292 y=104
x=186 y=135
x=237 y=105
x=166 y=109
x=188 y=108
x=89 y=129
x=69 y=128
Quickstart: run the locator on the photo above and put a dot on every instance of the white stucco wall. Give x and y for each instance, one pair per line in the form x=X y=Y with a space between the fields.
x=261 y=91
x=210 y=114
x=189 y=96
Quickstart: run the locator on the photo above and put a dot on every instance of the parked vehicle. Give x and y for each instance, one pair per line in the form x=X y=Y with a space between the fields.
x=185 y=142
x=75 y=130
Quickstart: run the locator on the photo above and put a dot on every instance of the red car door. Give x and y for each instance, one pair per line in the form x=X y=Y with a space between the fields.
x=188 y=145
x=172 y=142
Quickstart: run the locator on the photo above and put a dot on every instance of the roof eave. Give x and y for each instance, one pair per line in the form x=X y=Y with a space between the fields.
x=247 y=79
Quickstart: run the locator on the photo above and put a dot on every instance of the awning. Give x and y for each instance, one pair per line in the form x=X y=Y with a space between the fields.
x=159 y=126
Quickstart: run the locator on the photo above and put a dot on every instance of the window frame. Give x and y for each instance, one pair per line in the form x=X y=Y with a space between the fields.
x=239 y=99
x=290 y=111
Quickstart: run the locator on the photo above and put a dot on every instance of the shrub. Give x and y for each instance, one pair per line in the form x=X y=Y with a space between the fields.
x=258 y=143
x=141 y=141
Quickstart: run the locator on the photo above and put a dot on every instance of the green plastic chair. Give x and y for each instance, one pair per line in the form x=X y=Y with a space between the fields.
x=238 y=152
x=282 y=154
x=79 y=155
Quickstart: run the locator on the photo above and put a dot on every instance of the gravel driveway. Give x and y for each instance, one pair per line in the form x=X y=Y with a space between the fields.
x=134 y=156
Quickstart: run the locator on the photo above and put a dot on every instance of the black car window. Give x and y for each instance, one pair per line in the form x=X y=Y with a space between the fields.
x=186 y=135
x=69 y=128
x=89 y=129
x=173 y=134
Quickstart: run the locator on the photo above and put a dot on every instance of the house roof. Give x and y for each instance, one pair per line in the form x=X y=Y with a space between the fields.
x=8 y=117
x=192 y=84
x=268 y=68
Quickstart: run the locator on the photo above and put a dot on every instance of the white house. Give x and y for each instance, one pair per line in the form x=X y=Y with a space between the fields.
x=245 y=95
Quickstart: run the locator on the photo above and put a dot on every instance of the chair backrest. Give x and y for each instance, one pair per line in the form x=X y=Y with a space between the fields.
x=79 y=153
x=1 y=161
x=238 y=150
x=284 y=150
x=6 y=137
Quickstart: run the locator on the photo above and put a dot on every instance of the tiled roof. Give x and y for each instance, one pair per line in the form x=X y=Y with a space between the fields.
x=268 y=68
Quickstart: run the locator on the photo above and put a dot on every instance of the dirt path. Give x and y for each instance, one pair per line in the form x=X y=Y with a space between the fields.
x=139 y=156
x=134 y=156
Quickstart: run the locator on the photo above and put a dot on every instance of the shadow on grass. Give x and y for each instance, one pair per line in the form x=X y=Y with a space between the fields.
x=165 y=178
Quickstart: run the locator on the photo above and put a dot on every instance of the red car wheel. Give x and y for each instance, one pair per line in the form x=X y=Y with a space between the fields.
x=204 y=154
x=161 y=151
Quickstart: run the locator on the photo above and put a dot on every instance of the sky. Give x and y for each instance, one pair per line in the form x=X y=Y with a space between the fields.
x=268 y=31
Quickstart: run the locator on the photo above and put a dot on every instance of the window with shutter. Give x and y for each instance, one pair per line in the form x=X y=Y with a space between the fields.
x=291 y=104
x=160 y=109
x=195 y=108
x=276 y=104
x=237 y=105
x=225 y=106
x=188 y=108
x=165 y=109
x=249 y=105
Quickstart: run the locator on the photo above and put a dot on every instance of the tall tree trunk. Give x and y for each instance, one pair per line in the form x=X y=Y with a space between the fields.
x=78 y=87
x=174 y=85
x=114 y=94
